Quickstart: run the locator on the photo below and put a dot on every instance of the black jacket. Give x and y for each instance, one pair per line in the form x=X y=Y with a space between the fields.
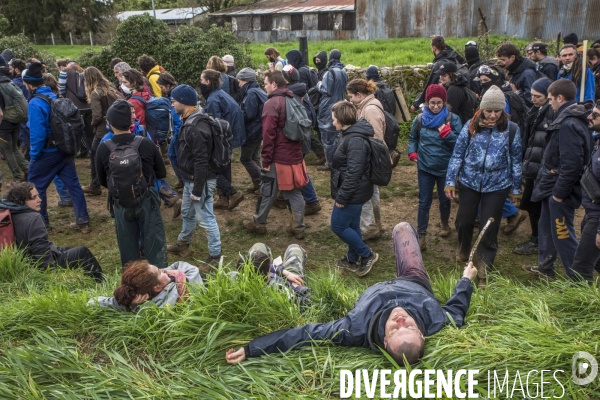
x=322 y=66
x=364 y=325
x=474 y=83
x=351 y=165
x=253 y=100
x=549 y=67
x=193 y=154
x=592 y=209
x=457 y=98
x=6 y=128
x=153 y=166
x=442 y=57
x=567 y=151
x=295 y=59
x=31 y=234
x=522 y=75
x=534 y=139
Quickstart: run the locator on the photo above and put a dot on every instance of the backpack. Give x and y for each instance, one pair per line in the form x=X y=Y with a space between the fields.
x=79 y=88
x=222 y=138
x=297 y=124
x=234 y=89
x=386 y=97
x=15 y=104
x=313 y=93
x=472 y=103
x=7 y=231
x=158 y=117
x=126 y=184
x=380 y=161
x=518 y=109
x=66 y=125
x=392 y=130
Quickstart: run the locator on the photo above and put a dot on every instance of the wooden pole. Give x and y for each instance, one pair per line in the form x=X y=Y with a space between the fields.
x=52 y=34
x=91 y=40
x=34 y=39
x=558 y=43
x=583 y=72
x=482 y=19
x=71 y=36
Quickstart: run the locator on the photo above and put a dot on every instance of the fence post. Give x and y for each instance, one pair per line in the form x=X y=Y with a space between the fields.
x=303 y=42
x=34 y=39
x=91 y=40
x=71 y=37
x=52 y=34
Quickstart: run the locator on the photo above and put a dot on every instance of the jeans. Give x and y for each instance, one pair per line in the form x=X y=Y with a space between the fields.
x=61 y=189
x=328 y=140
x=95 y=143
x=268 y=196
x=201 y=211
x=556 y=235
x=587 y=256
x=345 y=223
x=409 y=261
x=14 y=158
x=250 y=159
x=491 y=206
x=308 y=192
x=43 y=170
x=80 y=257
x=426 y=183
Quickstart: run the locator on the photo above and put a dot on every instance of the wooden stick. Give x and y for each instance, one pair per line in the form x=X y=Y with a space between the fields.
x=584 y=72
x=489 y=222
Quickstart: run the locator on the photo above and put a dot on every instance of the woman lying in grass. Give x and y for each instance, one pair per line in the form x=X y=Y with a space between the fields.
x=143 y=282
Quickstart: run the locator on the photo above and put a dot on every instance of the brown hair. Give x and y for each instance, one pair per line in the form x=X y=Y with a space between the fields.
x=62 y=62
x=50 y=81
x=452 y=76
x=216 y=63
x=135 y=78
x=438 y=42
x=507 y=50
x=272 y=51
x=146 y=63
x=475 y=128
x=563 y=87
x=114 y=62
x=20 y=192
x=94 y=80
x=345 y=112
x=361 y=86
x=412 y=352
x=18 y=64
x=214 y=77
x=166 y=79
x=136 y=279
x=592 y=52
x=277 y=77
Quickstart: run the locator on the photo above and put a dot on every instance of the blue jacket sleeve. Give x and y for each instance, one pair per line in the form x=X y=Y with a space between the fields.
x=413 y=141
x=326 y=85
x=458 y=304
x=516 y=162
x=39 y=116
x=590 y=86
x=458 y=156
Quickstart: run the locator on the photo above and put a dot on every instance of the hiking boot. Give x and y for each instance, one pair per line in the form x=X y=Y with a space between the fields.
x=253 y=227
x=235 y=200
x=280 y=202
x=395 y=156
x=323 y=168
x=344 y=263
x=212 y=263
x=445 y=230
x=177 y=209
x=180 y=248
x=461 y=257
x=178 y=185
x=367 y=263
x=222 y=203
x=65 y=203
x=321 y=160
x=423 y=243
x=528 y=248
x=92 y=190
x=512 y=223
x=540 y=272
x=312 y=208
x=254 y=187
x=298 y=233
x=83 y=228
x=372 y=233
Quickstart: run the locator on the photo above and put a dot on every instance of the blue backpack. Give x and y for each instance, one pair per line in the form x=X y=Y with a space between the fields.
x=159 y=122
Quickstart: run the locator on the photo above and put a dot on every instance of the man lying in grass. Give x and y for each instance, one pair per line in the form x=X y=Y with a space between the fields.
x=143 y=282
x=395 y=315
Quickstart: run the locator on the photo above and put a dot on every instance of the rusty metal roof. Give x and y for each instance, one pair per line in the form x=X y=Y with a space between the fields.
x=291 y=7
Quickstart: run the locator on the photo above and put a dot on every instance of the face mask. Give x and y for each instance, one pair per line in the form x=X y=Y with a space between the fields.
x=125 y=89
x=486 y=86
x=205 y=90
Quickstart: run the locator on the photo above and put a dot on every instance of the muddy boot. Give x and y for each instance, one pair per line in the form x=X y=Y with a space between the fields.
x=180 y=248
x=176 y=209
x=222 y=203
x=295 y=228
x=253 y=227
x=83 y=228
x=164 y=151
x=445 y=230
x=423 y=243
x=178 y=185
x=512 y=223
x=528 y=248
x=372 y=233
x=253 y=187
x=92 y=190
x=235 y=200
x=312 y=208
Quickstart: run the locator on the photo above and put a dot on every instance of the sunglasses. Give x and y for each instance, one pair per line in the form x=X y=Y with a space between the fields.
x=485 y=70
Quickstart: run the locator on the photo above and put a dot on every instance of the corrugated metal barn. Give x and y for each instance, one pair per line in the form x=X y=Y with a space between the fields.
x=272 y=21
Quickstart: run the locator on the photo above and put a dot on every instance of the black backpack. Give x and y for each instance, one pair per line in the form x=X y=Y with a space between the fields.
x=313 y=93
x=380 y=161
x=518 y=109
x=127 y=184
x=234 y=89
x=392 y=130
x=66 y=125
x=386 y=97
x=472 y=103
x=222 y=138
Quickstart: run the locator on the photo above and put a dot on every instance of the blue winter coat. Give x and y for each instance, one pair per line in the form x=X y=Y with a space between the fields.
x=434 y=152
x=221 y=105
x=39 y=123
x=172 y=151
x=362 y=327
x=589 y=93
x=332 y=90
x=252 y=106
x=488 y=162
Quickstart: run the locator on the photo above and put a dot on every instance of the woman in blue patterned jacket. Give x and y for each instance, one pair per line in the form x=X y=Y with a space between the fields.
x=486 y=167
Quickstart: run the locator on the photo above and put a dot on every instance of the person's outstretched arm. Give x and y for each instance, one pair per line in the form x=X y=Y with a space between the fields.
x=458 y=304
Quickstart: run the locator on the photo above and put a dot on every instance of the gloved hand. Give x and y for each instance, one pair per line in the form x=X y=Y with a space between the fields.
x=413 y=156
x=445 y=130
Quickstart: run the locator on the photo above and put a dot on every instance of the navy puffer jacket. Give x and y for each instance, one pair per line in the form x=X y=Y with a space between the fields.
x=252 y=104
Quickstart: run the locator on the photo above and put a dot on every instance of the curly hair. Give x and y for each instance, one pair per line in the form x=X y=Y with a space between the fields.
x=136 y=279
x=20 y=192
x=135 y=78
x=361 y=86
x=146 y=63
x=216 y=63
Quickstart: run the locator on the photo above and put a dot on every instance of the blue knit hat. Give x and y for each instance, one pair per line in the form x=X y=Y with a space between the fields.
x=34 y=73
x=185 y=94
x=541 y=85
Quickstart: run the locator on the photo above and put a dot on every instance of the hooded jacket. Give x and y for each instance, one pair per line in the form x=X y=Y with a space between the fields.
x=363 y=325
x=39 y=123
x=592 y=209
x=371 y=110
x=152 y=77
x=549 y=67
x=535 y=138
x=332 y=89
x=322 y=65
x=221 y=105
x=567 y=151
x=351 y=165
x=440 y=58
x=522 y=72
x=308 y=77
x=6 y=128
x=253 y=100
x=457 y=98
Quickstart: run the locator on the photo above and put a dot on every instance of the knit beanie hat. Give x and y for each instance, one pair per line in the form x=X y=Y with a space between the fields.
x=472 y=54
x=541 y=85
x=571 y=38
x=7 y=54
x=119 y=115
x=228 y=60
x=372 y=73
x=335 y=54
x=493 y=99
x=290 y=74
x=34 y=74
x=247 y=75
x=3 y=63
x=435 y=90
x=185 y=94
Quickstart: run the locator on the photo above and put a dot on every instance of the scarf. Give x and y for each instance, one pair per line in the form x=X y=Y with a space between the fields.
x=191 y=110
x=433 y=121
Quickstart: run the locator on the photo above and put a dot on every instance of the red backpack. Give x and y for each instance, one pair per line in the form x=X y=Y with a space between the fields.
x=7 y=232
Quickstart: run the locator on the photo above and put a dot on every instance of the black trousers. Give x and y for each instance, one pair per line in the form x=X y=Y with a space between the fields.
x=534 y=208
x=587 y=256
x=491 y=206
x=88 y=130
x=80 y=257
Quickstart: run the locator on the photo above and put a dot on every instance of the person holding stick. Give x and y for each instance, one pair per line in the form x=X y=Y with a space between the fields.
x=572 y=66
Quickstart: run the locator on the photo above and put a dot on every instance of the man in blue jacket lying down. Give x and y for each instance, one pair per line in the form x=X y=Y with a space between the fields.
x=395 y=315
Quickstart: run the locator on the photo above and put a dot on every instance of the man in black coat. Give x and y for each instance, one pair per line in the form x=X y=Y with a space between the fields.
x=307 y=76
x=521 y=70
x=557 y=184
x=395 y=315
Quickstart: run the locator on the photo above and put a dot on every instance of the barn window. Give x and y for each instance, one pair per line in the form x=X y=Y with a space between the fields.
x=325 y=22
x=349 y=21
x=266 y=22
x=297 y=22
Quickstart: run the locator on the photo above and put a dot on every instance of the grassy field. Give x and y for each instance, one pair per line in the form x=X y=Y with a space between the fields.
x=54 y=347
x=66 y=51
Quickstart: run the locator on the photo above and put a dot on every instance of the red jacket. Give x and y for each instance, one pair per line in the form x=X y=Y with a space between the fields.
x=140 y=108
x=276 y=147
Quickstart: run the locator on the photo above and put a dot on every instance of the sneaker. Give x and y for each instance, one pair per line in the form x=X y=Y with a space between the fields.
x=253 y=227
x=235 y=200
x=445 y=230
x=323 y=168
x=92 y=190
x=423 y=243
x=344 y=263
x=83 y=228
x=180 y=248
x=177 y=209
x=367 y=263
x=528 y=248
x=312 y=208
x=65 y=203
x=512 y=223
x=536 y=270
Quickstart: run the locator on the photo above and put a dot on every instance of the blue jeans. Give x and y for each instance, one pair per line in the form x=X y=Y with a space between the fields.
x=426 y=183
x=308 y=192
x=43 y=170
x=328 y=140
x=61 y=189
x=345 y=223
x=201 y=211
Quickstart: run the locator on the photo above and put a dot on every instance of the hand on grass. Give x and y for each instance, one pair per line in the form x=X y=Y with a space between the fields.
x=233 y=357
x=139 y=299
x=470 y=271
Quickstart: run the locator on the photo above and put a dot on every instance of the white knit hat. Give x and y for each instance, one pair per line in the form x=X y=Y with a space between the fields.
x=493 y=99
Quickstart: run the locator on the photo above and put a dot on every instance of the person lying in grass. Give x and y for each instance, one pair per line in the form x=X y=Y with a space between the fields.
x=142 y=282
x=395 y=315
